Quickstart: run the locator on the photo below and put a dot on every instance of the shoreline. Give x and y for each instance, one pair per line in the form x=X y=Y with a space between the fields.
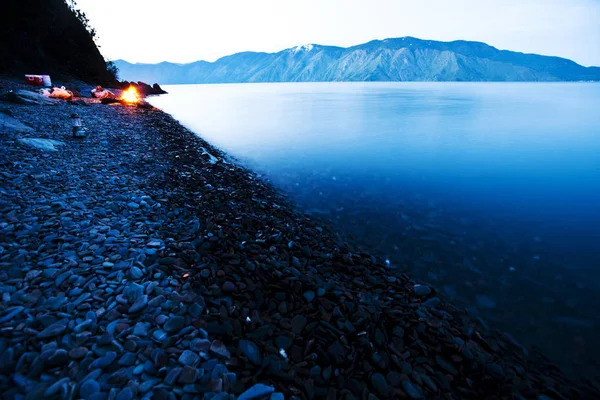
x=178 y=264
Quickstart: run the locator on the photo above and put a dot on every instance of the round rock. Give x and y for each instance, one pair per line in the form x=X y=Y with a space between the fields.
x=422 y=290
x=88 y=388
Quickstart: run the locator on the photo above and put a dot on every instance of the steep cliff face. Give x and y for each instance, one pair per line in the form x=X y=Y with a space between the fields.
x=45 y=37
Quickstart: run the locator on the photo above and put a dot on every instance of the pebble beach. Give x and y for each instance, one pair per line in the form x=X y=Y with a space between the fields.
x=141 y=262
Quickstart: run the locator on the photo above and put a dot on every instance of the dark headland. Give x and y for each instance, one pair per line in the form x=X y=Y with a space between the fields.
x=140 y=262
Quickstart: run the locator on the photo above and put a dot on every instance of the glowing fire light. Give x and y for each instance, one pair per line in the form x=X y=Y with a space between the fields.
x=130 y=96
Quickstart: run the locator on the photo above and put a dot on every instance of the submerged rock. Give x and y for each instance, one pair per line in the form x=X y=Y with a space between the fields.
x=484 y=301
x=422 y=290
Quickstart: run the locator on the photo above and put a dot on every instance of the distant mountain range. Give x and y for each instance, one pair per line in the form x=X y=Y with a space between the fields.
x=401 y=59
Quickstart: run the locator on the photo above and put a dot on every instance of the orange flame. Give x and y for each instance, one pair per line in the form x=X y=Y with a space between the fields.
x=130 y=96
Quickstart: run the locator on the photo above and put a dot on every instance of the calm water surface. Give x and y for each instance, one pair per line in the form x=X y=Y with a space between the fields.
x=489 y=191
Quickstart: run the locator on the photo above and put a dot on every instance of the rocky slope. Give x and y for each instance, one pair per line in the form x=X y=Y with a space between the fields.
x=402 y=59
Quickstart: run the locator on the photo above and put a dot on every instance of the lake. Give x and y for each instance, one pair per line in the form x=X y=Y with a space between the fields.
x=488 y=191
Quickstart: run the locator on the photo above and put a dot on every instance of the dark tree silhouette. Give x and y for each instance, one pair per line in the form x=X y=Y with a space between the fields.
x=50 y=37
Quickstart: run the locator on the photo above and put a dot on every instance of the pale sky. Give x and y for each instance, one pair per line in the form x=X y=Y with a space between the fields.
x=189 y=30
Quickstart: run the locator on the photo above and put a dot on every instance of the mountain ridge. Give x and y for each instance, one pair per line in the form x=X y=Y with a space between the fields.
x=393 y=59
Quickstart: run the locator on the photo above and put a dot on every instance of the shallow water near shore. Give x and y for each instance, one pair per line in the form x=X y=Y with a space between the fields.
x=489 y=191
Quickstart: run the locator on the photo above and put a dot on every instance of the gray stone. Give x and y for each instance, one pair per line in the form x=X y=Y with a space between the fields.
x=104 y=361
x=411 y=390
x=229 y=379
x=148 y=384
x=78 y=352
x=251 y=351
x=52 y=330
x=188 y=375
x=283 y=342
x=42 y=144
x=195 y=310
x=172 y=376
x=394 y=378
x=139 y=304
x=10 y=124
x=434 y=301
x=190 y=389
x=168 y=261
x=200 y=345
x=189 y=358
x=218 y=371
x=298 y=324
x=11 y=311
x=128 y=359
x=159 y=335
x=228 y=287
x=495 y=370
x=135 y=273
x=157 y=301
x=141 y=329
x=484 y=301
x=125 y=394
x=219 y=348
x=257 y=391
x=133 y=292
x=446 y=365
x=88 y=388
x=57 y=387
x=58 y=357
x=174 y=324
x=309 y=296
x=422 y=290
x=28 y=98
x=380 y=384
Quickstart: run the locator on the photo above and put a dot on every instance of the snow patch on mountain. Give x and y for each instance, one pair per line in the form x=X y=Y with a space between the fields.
x=304 y=47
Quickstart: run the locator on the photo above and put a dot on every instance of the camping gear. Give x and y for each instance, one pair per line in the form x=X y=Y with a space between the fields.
x=38 y=80
x=100 y=93
x=78 y=131
x=57 y=93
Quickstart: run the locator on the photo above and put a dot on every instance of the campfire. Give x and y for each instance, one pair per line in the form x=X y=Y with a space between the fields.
x=130 y=96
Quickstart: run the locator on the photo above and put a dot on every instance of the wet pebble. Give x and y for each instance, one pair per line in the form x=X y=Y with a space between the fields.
x=189 y=358
x=257 y=391
x=411 y=390
x=422 y=290
x=250 y=351
x=88 y=388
